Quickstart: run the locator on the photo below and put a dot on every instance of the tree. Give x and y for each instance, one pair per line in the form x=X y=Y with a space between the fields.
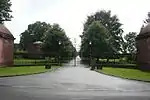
x=35 y=32
x=124 y=47
x=98 y=35
x=111 y=23
x=148 y=19
x=5 y=11
x=50 y=36
x=56 y=41
x=130 y=42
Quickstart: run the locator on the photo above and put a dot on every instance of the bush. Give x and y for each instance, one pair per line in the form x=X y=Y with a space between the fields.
x=47 y=66
x=131 y=58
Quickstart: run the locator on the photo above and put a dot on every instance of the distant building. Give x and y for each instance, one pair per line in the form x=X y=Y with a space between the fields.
x=34 y=49
x=6 y=46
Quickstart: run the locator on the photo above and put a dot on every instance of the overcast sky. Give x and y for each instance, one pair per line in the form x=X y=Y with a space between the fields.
x=71 y=14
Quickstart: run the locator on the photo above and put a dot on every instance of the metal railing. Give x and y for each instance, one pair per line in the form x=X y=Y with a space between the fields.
x=36 y=59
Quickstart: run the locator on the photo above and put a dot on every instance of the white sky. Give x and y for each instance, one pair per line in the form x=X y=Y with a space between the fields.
x=71 y=14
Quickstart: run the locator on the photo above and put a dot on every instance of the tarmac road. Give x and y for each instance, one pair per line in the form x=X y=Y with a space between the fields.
x=72 y=83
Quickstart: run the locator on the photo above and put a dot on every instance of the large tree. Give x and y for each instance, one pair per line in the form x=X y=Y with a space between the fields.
x=130 y=42
x=5 y=11
x=33 y=33
x=113 y=26
x=55 y=40
x=98 y=36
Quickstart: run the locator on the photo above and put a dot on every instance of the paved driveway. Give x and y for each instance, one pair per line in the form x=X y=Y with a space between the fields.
x=72 y=83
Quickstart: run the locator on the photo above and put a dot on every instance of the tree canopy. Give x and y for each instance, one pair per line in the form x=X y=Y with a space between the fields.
x=53 y=38
x=5 y=11
x=34 y=33
x=130 y=42
x=113 y=32
x=97 y=35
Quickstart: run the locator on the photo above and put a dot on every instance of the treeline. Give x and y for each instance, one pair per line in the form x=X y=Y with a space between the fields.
x=52 y=37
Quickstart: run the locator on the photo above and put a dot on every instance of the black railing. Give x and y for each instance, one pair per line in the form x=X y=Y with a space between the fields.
x=116 y=60
x=36 y=59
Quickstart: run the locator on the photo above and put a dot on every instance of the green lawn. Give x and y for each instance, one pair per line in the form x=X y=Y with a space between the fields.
x=24 y=70
x=127 y=73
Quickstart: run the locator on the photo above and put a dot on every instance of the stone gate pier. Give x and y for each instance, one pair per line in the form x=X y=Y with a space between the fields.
x=143 y=48
x=6 y=46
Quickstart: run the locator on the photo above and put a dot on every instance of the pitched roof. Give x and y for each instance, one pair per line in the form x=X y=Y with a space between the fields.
x=5 y=33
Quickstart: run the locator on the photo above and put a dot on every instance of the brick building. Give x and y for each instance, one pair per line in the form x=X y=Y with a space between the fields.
x=6 y=46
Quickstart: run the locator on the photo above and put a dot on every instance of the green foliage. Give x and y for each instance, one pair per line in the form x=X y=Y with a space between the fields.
x=130 y=42
x=5 y=11
x=97 y=35
x=34 y=33
x=108 y=37
x=53 y=38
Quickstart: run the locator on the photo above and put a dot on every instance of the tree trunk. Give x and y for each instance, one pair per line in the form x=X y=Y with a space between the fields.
x=107 y=60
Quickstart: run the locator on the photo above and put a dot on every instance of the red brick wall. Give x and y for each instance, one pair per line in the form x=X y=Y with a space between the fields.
x=1 y=51
x=143 y=51
x=6 y=52
x=143 y=54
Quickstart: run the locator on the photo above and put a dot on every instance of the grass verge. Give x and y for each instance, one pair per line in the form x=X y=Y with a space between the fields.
x=127 y=73
x=24 y=70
